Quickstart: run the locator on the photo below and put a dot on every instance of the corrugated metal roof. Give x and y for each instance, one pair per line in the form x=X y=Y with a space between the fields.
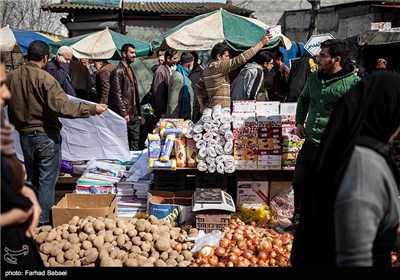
x=152 y=8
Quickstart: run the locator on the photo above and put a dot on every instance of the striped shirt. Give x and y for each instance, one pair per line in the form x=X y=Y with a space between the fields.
x=215 y=79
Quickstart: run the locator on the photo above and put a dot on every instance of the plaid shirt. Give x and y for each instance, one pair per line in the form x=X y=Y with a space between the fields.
x=215 y=79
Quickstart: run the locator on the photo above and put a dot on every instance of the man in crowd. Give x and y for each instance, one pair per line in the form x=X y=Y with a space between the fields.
x=34 y=108
x=58 y=67
x=180 y=90
x=159 y=87
x=104 y=70
x=247 y=84
x=123 y=97
x=280 y=88
x=215 y=77
x=323 y=88
x=194 y=76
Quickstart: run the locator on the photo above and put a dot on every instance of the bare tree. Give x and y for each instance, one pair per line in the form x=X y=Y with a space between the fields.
x=26 y=14
x=315 y=8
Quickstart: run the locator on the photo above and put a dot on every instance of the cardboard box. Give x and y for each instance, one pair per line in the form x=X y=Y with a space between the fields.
x=171 y=206
x=83 y=205
x=252 y=189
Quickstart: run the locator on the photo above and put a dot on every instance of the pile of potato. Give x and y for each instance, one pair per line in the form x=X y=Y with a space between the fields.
x=115 y=242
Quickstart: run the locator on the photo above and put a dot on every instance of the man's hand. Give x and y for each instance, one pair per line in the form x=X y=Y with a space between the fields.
x=265 y=39
x=127 y=118
x=61 y=59
x=300 y=131
x=100 y=108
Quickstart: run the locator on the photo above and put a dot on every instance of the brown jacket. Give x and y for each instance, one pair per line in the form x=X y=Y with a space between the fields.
x=103 y=83
x=123 y=98
x=38 y=100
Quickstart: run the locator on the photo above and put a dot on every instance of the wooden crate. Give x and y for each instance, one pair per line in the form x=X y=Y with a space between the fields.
x=210 y=222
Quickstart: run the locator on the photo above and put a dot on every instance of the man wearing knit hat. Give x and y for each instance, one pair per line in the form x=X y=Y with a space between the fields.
x=180 y=91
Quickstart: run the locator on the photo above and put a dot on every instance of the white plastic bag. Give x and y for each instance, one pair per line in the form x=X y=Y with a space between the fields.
x=211 y=239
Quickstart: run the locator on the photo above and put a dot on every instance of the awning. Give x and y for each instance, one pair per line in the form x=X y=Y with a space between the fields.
x=378 y=38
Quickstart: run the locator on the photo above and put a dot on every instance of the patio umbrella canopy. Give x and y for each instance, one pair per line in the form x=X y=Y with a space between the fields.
x=17 y=40
x=105 y=44
x=202 y=32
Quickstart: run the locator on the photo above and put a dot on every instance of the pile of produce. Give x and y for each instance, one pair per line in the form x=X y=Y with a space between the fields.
x=115 y=242
x=246 y=246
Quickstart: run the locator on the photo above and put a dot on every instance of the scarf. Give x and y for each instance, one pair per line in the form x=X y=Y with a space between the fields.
x=6 y=138
x=185 y=95
x=367 y=115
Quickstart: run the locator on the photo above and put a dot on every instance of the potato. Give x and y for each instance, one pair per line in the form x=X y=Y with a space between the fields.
x=147 y=237
x=118 y=231
x=82 y=236
x=51 y=236
x=46 y=228
x=73 y=238
x=86 y=245
x=91 y=256
x=160 y=263
x=41 y=237
x=109 y=224
x=98 y=241
x=60 y=257
x=162 y=244
x=102 y=232
x=106 y=262
x=136 y=240
x=66 y=246
x=187 y=255
x=127 y=246
x=72 y=228
x=131 y=263
x=164 y=256
x=180 y=258
x=99 y=225
x=121 y=240
x=131 y=233
x=70 y=255
x=135 y=249
x=74 y=221
x=81 y=253
x=140 y=225
x=145 y=246
x=103 y=253
x=113 y=254
x=171 y=262
x=109 y=237
x=152 y=219
x=46 y=248
x=184 y=264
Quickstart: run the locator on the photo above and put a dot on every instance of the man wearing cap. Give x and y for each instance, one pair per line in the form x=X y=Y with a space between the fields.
x=180 y=90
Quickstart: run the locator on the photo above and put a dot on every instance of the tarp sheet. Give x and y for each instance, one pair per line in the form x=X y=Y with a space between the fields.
x=97 y=137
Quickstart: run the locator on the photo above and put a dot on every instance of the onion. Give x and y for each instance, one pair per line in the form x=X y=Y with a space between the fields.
x=220 y=264
x=247 y=254
x=242 y=245
x=207 y=250
x=262 y=256
x=232 y=257
x=224 y=242
x=238 y=236
x=229 y=264
x=213 y=260
x=264 y=246
x=278 y=242
x=178 y=247
x=236 y=251
x=219 y=251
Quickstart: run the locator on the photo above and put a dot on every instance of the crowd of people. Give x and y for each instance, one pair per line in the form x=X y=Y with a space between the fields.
x=344 y=180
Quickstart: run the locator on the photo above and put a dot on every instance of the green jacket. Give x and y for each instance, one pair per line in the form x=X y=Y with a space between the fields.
x=318 y=99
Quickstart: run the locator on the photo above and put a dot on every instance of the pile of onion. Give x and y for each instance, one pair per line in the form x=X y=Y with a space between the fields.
x=246 y=246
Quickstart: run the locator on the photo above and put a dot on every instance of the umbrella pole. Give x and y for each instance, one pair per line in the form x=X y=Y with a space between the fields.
x=12 y=60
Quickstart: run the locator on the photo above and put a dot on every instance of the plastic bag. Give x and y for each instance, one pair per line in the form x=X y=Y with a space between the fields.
x=211 y=239
x=283 y=206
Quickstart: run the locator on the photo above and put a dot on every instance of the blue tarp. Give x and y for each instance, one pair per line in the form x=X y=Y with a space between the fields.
x=297 y=50
x=25 y=37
